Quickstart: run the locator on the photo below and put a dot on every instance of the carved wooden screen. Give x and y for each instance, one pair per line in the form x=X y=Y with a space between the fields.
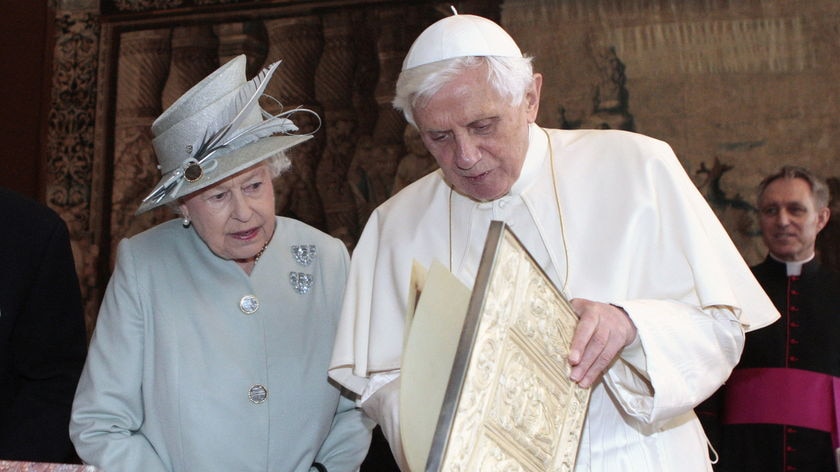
x=340 y=58
x=340 y=62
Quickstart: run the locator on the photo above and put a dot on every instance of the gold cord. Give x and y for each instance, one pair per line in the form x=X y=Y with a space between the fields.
x=450 y=228
x=559 y=212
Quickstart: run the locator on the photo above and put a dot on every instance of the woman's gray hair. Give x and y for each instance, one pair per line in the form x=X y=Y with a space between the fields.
x=509 y=76
x=277 y=165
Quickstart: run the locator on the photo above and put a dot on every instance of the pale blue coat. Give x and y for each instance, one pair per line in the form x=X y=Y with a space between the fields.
x=173 y=357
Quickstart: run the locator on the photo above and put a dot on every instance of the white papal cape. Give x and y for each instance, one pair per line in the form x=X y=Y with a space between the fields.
x=634 y=232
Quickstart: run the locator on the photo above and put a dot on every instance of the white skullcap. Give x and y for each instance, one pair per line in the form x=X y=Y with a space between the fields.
x=460 y=36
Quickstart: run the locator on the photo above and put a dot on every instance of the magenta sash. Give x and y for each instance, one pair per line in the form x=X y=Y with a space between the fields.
x=784 y=396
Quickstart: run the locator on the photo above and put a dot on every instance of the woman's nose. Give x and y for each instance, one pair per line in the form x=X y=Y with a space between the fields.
x=242 y=211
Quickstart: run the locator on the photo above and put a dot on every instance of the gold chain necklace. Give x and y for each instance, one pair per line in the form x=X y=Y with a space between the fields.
x=259 y=254
x=261 y=251
x=559 y=214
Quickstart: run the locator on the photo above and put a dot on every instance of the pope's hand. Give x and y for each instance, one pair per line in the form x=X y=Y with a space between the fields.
x=602 y=332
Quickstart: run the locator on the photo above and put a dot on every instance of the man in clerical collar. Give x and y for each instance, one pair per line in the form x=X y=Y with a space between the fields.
x=778 y=404
x=793 y=209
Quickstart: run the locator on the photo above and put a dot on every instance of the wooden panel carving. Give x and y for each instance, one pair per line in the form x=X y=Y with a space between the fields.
x=70 y=142
x=119 y=65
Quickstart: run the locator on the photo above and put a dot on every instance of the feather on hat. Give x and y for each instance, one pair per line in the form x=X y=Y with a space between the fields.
x=216 y=129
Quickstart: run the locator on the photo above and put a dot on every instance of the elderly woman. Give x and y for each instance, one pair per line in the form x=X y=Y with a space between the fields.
x=211 y=347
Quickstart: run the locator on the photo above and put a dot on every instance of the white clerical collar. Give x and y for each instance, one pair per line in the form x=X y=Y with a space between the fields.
x=534 y=159
x=793 y=267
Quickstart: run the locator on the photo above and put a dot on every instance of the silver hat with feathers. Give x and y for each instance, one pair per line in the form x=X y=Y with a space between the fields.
x=216 y=129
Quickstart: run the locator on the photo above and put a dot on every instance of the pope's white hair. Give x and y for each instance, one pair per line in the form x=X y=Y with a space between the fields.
x=509 y=76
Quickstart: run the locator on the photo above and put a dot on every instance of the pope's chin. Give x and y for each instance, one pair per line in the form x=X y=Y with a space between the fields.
x=482 y=189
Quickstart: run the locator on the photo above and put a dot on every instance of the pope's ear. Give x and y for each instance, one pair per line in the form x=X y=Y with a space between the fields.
x=532 y=97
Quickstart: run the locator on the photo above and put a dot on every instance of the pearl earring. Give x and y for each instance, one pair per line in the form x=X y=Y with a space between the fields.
x=186 y=222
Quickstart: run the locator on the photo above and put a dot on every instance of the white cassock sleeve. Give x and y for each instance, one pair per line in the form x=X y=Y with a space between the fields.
x=680 y=354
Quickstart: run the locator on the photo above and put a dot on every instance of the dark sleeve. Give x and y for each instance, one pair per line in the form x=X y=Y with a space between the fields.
x=46 y=346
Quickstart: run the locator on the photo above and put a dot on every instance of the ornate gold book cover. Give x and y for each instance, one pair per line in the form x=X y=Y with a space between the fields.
x=25 y=466
x=509 y=404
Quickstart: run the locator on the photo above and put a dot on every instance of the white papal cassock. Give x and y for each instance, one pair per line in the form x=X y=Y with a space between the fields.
x=635 y=232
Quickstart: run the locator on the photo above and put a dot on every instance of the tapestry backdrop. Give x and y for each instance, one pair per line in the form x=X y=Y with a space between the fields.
x=737 y=88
